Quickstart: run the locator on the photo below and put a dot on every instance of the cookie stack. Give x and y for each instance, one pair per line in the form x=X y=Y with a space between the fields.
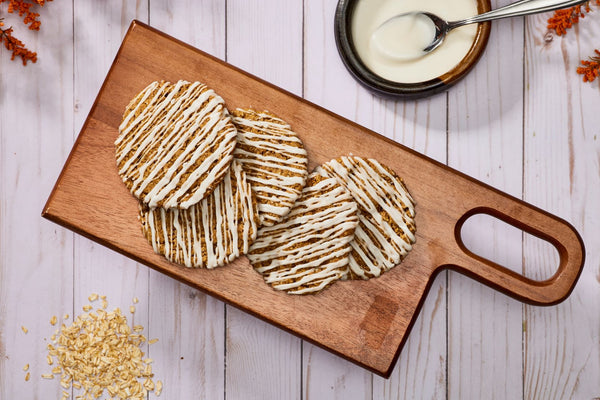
x=213 y=186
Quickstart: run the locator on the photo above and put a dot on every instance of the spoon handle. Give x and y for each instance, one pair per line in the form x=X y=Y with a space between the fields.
x=518 y=8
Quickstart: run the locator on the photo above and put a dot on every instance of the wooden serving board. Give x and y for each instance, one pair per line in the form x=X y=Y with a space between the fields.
x=366 y=322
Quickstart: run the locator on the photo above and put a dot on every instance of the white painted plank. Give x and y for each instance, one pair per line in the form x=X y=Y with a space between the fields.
x=99 y=28
x=265 y=39
x=189 y=324
x=36 y=266
x=189 y=356
x=562 y=349
x=198 y=23
x=485 y=114
x=326 y=376
x=328 y=84
x=421 y=125
x=421 y=369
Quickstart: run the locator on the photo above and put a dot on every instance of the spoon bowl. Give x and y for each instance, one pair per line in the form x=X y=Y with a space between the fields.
x=428 y=40
x=406 y=36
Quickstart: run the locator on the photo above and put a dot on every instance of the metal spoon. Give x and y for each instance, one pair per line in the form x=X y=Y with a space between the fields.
x=442 y=27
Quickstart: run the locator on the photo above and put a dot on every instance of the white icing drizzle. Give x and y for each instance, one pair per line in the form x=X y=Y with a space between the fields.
x=175 y=144
x=275 y=162
x=383 y=203
x=308 y=250
x=210 y=233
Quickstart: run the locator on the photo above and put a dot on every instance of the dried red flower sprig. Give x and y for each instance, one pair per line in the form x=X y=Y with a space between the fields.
x=16 y=46
x=590 y=69
x=562 y=20
x=30 y=18
x=24 y=9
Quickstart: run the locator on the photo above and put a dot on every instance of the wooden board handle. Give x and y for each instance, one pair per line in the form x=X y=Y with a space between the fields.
x=536 y=222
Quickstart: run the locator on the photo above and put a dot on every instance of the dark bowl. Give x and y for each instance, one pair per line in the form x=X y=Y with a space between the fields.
x=395 y=90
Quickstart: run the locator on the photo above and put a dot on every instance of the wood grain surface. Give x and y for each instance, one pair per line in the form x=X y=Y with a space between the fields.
x=90 y=199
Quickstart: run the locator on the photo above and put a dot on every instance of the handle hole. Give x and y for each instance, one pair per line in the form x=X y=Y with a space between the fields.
x=509 y=246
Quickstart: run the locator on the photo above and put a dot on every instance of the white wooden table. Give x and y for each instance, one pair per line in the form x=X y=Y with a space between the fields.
x=522 y=121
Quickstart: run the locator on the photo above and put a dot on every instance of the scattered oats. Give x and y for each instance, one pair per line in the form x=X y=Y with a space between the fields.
x=49 y=360
x=66 y=316
x=93 y=297
x=27 y=377
x=26 y=367
x=132 y=309
x=100 y=352
x=148 y=384
x=158 y=388
x=153 y=341
x=47 y=376
x=53 y=320
x=135 y=300
x=25 y=330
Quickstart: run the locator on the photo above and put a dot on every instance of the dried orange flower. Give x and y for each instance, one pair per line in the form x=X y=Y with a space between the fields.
x=30 y=18
x=590 y=69
x=24 y=9
x=562 y=20
x=16 y=46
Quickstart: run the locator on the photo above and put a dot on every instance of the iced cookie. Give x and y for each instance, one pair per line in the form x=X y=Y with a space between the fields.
x=175 y=144
x=210 y=233
x=274 y=160
x=308 y=250
x=386 y=212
